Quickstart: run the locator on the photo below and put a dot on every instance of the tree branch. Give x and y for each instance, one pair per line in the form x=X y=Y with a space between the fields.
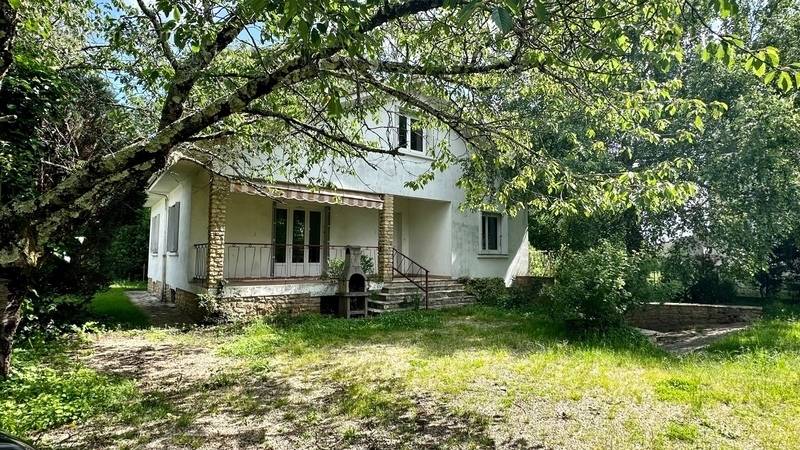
x=161 y=36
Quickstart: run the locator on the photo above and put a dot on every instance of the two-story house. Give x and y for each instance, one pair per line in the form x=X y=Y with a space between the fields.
x=264 y=248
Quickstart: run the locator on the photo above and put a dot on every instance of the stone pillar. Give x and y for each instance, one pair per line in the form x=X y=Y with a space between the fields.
x=386 y=238
x=218 y=193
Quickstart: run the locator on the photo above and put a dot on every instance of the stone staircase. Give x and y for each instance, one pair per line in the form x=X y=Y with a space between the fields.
x=401 y=295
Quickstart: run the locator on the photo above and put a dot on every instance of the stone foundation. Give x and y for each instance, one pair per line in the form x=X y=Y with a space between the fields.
x=685 y=316
x=245 y=308
x=154 y=287
x=188 y=304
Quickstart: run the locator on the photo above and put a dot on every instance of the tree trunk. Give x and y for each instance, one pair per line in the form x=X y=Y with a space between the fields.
x=8 y=30
x=10 y=303
x=633 y=231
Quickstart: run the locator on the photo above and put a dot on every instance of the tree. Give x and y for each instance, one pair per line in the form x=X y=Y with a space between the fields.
x=743 y=166
x=306 y=74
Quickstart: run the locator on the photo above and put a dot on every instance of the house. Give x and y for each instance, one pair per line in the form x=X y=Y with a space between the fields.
x=266 y=247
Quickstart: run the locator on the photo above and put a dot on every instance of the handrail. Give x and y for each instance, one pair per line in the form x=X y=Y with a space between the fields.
x=259 y=261
x=398 y=267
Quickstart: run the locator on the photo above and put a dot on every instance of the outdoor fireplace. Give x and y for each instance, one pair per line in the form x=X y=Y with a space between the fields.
x=352 y=286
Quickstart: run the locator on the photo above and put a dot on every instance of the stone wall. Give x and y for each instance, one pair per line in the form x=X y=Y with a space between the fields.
x=684 y=316
x=187 y=303
x=246 y=308
x=386 y=238
x=218 y=194
x=154 y=287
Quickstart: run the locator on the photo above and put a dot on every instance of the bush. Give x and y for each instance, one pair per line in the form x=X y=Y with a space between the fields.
x=595 y=288
x=703 y=279
x=335 y=268
x=589 y=288
x=488 y=291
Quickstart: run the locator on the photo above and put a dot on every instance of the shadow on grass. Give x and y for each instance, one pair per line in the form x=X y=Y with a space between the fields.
x=227 y=407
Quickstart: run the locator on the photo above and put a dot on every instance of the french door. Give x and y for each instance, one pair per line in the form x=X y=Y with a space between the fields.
x=298 y=242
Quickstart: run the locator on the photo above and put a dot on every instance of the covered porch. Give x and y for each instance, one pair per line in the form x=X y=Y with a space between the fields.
x=285 y=233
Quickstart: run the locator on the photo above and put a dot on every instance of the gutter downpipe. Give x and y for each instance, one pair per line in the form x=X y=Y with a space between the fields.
x=164 y=250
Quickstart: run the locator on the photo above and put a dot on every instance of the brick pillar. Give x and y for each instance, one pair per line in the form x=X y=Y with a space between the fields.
x=218 y=193
x=386 y=238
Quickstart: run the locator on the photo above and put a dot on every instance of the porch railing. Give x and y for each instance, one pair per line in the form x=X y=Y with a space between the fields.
x=254 y=261
x=411 y=271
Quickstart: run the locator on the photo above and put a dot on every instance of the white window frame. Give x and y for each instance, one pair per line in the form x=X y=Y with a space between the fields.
x=410 y=119
x=483 y=238
x=155 y=229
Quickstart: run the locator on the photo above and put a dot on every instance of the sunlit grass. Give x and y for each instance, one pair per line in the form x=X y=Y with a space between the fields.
x=743 y=391
x=113 y=308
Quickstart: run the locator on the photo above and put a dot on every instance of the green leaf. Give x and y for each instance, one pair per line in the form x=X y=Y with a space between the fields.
x=541 y=12
x=773 y=56
x=785 y=81
x=698 y=123
x=503 y=19
x=16 y=4
x=514 y=5
x=770 y=76
x=335 y=105
x=466 y=12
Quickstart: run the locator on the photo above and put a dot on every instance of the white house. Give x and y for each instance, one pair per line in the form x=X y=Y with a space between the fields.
x=262 y=248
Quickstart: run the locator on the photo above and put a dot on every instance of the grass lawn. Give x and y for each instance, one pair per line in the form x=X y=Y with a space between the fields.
x=113 y=308
x=466 y=378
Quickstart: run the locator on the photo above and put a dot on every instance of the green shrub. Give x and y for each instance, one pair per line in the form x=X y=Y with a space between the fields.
x=367 y=264
x=488 y=291
x=589 y=288
x=493 y=292
x=703 y=279
x=648 y=280
x=595 y=288
x=335 y=268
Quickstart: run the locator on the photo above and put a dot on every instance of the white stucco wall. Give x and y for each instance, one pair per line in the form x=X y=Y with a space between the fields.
x=174 y=268
x=467 y=259
x=354 y=226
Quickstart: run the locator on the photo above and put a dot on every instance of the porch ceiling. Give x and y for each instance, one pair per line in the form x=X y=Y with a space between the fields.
x=290 y=191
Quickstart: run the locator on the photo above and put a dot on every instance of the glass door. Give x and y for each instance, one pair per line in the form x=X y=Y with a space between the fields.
x=298 y=240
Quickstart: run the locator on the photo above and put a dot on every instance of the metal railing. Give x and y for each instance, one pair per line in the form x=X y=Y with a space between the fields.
x=411 y=271
x=254 y=261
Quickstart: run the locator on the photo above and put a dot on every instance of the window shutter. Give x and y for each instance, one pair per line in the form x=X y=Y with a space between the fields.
x=173 y=222
x=154 y=231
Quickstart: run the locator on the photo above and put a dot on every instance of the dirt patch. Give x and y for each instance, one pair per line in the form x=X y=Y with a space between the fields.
x=160 y=313
x=192 y=398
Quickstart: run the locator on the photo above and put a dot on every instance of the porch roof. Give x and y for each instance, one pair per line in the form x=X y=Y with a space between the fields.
x=289 y=191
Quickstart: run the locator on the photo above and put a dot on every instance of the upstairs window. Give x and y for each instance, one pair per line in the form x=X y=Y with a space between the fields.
x=491 y=237
x=410 y=135
x=173 y=222
x=154 y=227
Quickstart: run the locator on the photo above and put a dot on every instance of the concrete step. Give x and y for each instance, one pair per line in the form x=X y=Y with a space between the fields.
x=433 y=293
x=431 y=284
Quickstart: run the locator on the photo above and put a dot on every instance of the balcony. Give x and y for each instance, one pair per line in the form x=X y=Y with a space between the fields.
x=254 y=261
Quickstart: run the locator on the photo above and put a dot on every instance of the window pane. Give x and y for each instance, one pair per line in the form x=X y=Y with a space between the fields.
x=298 y=235
x=402 y=132
x=314 y=235
x=416 y=136
x=491 y=229
x=280 y=235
